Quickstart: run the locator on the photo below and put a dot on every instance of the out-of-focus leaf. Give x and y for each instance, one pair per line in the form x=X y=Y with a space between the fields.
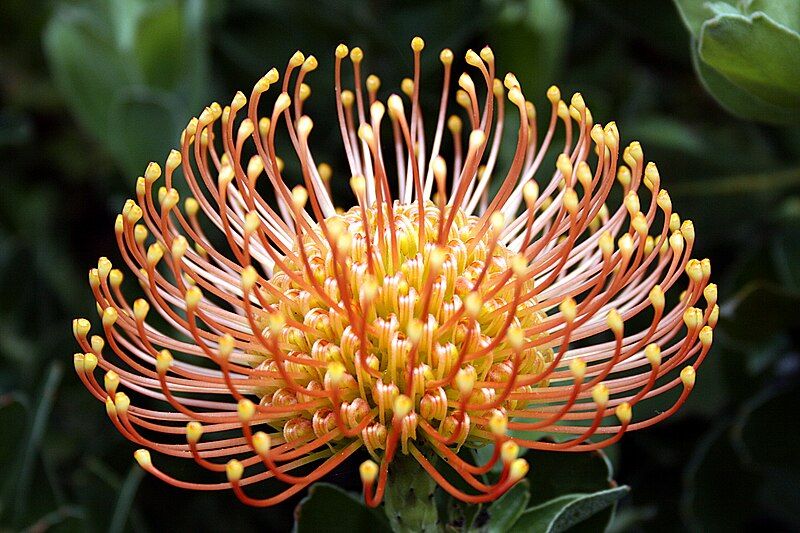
x=567 y=511
x=505 y=511
x=719 y=492
x=733 y=98
x=125 y=500
x=529 y=38
x=85 y=64
x=147 y=125
x=756 y=54
x=785 y=12
x=747 y=60
x=761 y=430
x=786 y=245
x=557 y=474
x=695 y=12
x=329 y=508
x=128 y=69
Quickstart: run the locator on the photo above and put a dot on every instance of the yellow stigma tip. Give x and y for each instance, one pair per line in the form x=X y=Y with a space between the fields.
x=518 y=470
x=234 y=470
x=246 y=410
x=509 y=451
x=142 y=457
x=368 y=470
x=262 y=443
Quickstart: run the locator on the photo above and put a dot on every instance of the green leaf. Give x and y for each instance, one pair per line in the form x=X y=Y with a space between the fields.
x=558 y=474
x=132 y=71
x=567 y=511
x=755 y=54
x=530 y=38
x=85 y=65
x=784 y=12
x=719 y=493
x=505 y=511
x=733 y=98
x=695 y=12
x=143 y=125
x=331 y=509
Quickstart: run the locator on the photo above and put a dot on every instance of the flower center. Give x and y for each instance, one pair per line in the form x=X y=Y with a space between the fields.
x=405 y=312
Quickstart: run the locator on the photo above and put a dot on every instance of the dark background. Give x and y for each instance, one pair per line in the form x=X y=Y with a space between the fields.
x=91 y=91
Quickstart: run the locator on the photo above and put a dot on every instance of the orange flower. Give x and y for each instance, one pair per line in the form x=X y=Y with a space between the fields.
x=455 y=304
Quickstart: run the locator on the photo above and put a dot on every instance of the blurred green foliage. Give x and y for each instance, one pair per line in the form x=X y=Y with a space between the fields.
x=92 y=90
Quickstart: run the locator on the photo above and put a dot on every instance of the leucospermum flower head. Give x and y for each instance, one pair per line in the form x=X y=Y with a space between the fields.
x=456 y=303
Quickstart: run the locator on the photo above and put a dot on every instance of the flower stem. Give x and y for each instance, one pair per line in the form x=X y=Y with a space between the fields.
x=409 y=500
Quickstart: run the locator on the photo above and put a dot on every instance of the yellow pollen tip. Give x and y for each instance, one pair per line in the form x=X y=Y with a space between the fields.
x=191 y=207
x=454 y=124
x=341 y=51
x=304 y=126
x=577 y=102
x=509 y=451
x=417 y=44
x=465 y=380
x=615 y=322
x=89 y=362
x=142 y=457
x=688 y=377
x=77 y=361
x=530 y=191
x=368 y=470
x=309 y=64
x=414 y=330
x=249 y=277
x=356 y=55
x=140 y=309
x=498 y=423
x=251 y=222
x=234 y=470
x=568 y=309
x=472 y=58
x=110 y=316
x=121 y=402
x=624 y=413
x=373 y=83
x=194 y=430
x=600 y=395
x=282 y=103
x=553 y=94
x=163 y=361
x=578 y=368
x=262 y=443
x=402 y=406
x=497 y=221
x=446 y=56
x=193 y=297
x=653 y=354
x=336 y=371
x=519 y=468
x=473 y=302
x=152 y=172
x=246 y=409
x=299 y=196
x=111 y=382
x=226 y=344
x=706 y=335
x=407 y=86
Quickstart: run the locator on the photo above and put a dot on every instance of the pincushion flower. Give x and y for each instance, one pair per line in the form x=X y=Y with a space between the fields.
x=454 y=304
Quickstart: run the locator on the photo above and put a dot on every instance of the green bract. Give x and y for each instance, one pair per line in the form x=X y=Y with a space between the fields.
x=747 y=54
